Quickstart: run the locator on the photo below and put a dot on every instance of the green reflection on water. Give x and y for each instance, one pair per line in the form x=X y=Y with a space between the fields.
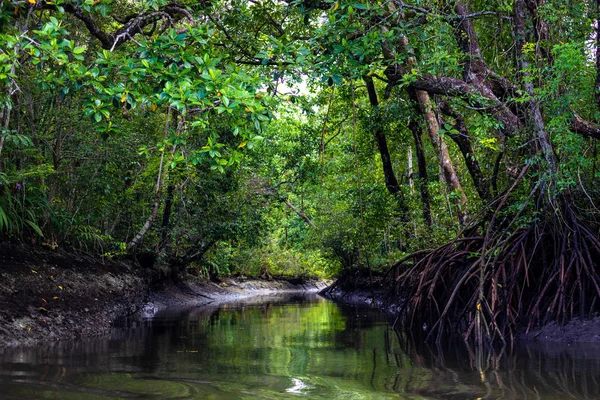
x=286 y=348
x=269 y=351
x=275 y=351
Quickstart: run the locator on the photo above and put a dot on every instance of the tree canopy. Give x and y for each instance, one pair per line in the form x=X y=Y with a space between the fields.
x=308 y=137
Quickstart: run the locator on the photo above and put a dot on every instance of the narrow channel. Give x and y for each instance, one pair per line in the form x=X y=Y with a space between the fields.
x=287 y=346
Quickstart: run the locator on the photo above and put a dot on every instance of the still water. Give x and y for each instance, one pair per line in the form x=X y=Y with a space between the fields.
x=288 y=347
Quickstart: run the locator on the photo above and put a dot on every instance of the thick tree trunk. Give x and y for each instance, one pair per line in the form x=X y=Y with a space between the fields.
x=426 y=108
x=463 y=141
x=439 y=145
x=476 y=72
x=455 y=87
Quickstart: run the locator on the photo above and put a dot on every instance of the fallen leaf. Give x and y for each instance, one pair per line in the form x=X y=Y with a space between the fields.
x=44 y=300
x=60 y=287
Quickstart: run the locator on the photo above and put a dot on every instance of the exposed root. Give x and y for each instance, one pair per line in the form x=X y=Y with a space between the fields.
x=486 y=286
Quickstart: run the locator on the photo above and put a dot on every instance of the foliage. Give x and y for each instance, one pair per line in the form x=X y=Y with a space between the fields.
x=293 y=138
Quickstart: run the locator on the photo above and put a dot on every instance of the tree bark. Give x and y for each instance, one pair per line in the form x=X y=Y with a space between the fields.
x=409 y=166
x=299 y=213
x=422 y=164
x=4 y=123
x=463 y=141
x=439 y=145
x=455 y=87
x=426 y=108
x=535 y=115
x=391 y=183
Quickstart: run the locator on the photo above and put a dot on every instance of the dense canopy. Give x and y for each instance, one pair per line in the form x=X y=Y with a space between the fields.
x=451 y=145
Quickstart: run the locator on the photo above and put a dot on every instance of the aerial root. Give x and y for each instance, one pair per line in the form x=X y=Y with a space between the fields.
x=486 y=286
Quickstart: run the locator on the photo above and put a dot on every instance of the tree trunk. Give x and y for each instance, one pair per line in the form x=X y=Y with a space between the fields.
x=4 y=121
x=422 y=164
x=463 y=141
x=426 y=107
x=299 y=213
x=535 y=115
x=164 y=235
x=409 y=166
x=441 y=150
x=391 y=183
x=158 y=191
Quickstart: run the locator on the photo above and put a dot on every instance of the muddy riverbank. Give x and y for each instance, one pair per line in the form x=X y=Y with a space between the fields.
x=194 y=292
x=372 y=291
x=50 y=295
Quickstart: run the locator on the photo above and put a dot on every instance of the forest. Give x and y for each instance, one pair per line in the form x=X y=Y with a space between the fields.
x=444 y=146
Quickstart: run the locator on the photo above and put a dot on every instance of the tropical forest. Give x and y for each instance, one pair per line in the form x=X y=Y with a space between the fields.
x=439 y=155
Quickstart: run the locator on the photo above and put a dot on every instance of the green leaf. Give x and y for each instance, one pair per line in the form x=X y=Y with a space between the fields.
x=34 y=226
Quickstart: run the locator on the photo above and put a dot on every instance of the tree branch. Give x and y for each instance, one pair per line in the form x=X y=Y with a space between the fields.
x=454 y=87
x=300 y=213
x=585 y=128
x=132 y=24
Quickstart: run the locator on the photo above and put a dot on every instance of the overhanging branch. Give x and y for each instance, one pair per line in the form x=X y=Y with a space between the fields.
x=132 y=24
x=454 y=87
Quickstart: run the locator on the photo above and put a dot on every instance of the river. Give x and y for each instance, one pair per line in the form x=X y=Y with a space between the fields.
x=288 y=346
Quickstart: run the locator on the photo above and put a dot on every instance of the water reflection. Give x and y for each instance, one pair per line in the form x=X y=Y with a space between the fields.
x=288 y=346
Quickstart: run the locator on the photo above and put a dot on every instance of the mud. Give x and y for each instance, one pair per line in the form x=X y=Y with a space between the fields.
x=194 y=292
x=362 y=292
x=55 y=295
x=50 y=295
x=575 y=331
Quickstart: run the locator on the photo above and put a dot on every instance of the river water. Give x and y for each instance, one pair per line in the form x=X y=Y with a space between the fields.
x=288 y=347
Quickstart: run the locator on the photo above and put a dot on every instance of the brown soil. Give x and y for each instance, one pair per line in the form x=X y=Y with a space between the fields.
x=48 y=295
x=53 y=294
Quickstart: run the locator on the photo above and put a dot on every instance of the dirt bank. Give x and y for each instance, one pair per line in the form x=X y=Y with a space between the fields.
x=575 y=331
x=371 y=291
x=55 y=295
x=49 y=295
x=193 y=292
